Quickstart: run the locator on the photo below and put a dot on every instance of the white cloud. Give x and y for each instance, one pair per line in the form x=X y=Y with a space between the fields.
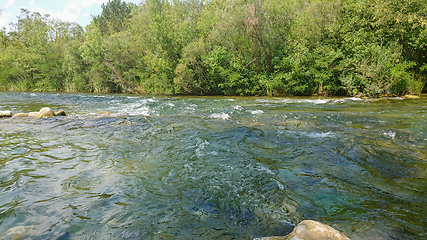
x=9 y=3
x=32 y=3
x=88 y=3
x=70 y=13
x=3 y=22
x=72 y=10
x=5 y=19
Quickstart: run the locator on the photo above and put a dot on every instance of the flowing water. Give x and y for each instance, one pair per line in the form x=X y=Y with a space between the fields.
x=211 y=167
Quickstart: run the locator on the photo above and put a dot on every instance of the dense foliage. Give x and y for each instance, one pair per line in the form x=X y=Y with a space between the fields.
x=225 y=47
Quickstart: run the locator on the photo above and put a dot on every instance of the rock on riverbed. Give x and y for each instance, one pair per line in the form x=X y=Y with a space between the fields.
x=311 y=230
x=5 y=114
x=45 y=112
x=19 y=115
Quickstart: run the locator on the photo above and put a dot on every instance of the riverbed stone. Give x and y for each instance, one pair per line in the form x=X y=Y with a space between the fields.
x=410 y=97
x=105 y=113
x=5 y=114
x=359 y=95
x=17 y=232
x=60 y=113
x=20 y=115
x=310 y=230
x=45 y=112
x=33 y=114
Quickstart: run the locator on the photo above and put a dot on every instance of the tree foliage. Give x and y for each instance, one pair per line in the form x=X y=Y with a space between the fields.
x=114 y=17
x=225 y=47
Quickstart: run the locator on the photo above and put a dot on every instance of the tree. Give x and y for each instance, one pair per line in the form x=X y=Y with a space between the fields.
x=114 y=17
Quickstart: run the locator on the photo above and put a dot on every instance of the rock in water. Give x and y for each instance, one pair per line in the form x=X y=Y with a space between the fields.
x=410 y=97
x=311 y=230
x=359 y=95
x=5 y=114
x=45 y=112
x=33 y=114
x=60 y=113
x=19 y=115
x=17 y=232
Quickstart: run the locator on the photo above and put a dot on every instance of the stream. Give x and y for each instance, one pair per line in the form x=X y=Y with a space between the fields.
x=211 y=167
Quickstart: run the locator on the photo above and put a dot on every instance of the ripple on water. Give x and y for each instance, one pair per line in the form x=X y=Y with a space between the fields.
x=190 y=168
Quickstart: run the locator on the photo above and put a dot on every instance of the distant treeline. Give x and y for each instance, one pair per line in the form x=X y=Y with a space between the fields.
x=224 y=47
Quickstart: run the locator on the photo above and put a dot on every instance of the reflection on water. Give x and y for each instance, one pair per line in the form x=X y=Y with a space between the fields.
x=211 y=168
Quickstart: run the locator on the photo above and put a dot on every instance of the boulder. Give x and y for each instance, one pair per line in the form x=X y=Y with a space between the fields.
x=311 y=230
x=5 y=114
x=45 y=112
x=60 y=113
x=105 y=113
x=19 y=115
x=359 y=95
x=410 y=97
x=33 y=114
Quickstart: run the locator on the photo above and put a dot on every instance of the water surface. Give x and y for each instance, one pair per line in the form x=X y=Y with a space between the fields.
x=211 y=167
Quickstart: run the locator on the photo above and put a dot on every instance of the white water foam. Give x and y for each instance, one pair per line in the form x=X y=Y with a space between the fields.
x=390 y=134
x=256 y=112
x=151 y=99
x=134 y=109
x=237 y=107
x=223 y=116
x=317 y=135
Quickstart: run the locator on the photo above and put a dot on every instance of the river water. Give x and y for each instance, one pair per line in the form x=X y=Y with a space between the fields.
x=211 y=167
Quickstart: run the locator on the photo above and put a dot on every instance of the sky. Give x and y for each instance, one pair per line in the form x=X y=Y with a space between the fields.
x=80 y=11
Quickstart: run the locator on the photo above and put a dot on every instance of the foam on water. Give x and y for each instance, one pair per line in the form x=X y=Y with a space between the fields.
x=318 y=135
x=390 y=134
x=237 y=107
x=223 y=116
x=133 y=109
x=256 y=112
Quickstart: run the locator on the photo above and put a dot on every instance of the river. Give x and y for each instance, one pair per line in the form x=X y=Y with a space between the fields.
x=211 y=167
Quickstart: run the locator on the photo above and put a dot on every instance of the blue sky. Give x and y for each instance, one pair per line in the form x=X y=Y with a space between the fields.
x=79 y=11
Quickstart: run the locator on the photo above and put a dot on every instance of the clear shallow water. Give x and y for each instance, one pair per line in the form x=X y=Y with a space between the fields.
x=211 y=168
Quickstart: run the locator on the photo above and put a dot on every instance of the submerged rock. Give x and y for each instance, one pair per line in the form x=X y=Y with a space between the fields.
x=311 y=230
x=5 y=114
x=45 y=112
x=105 y=113
x=19 y=115
x=17 y=232
x=60 y=113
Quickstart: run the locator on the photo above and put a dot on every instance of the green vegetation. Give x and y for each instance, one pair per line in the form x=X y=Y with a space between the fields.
x=224 y=47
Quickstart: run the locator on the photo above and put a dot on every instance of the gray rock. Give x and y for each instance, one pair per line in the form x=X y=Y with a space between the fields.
x=45 y=112
x=311 y=230
x=5 y=114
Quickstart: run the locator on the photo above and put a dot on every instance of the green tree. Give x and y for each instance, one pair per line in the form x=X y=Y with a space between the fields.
x=114 y=17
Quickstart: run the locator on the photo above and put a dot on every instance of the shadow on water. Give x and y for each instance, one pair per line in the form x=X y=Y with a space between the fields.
x=211 y=168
